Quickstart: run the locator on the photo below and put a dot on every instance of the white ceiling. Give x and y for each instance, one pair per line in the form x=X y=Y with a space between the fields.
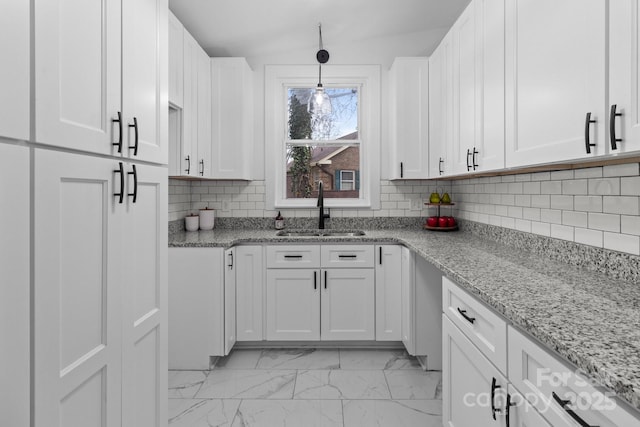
x=253 y=28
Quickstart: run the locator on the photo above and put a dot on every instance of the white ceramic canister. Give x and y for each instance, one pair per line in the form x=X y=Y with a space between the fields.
x=206 y=219
x=191 y=222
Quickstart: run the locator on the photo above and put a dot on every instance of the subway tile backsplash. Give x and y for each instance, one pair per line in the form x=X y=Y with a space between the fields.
x=598 y=206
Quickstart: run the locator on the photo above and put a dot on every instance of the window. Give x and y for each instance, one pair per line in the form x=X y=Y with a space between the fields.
x=336 y=150
x=318 y=148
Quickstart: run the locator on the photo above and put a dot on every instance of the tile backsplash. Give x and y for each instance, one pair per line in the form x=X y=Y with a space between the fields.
x=241 y=199
x=598 y=206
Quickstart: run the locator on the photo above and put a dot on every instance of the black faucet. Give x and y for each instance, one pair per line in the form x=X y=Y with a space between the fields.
x=321 y=215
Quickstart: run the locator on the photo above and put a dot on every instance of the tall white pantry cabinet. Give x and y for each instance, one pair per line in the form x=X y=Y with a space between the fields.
x=83 y=160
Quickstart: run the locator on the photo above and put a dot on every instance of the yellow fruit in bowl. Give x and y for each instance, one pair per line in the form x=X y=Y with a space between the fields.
x=434 y=198
x=445 y=198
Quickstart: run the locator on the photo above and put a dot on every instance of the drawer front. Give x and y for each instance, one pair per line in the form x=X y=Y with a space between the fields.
x=486 y=329
x=293 y=256
x=543 y=379
x=347 y=256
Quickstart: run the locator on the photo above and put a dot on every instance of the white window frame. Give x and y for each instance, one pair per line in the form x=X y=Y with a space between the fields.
x=280 y=77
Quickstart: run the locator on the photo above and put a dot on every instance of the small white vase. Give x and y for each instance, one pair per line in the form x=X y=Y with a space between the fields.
x=191 y=223
x=206 y=219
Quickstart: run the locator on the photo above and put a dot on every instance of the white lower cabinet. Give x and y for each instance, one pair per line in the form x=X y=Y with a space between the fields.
x=196 y=312
x=388 y=292
x=230 y=271
x=347 y=304
x=318 y=303
x=421 y=284
x=293 y=304
x=471 y=386
x=532 y=387
x=249 y=291
x=522 y=414
x=559 y=391
x=14 y=291
x=99 y=291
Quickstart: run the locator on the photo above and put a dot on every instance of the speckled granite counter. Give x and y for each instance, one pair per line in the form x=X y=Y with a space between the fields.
x=588 y=318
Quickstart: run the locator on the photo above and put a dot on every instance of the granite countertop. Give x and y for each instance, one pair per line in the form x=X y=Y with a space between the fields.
x=588 y=318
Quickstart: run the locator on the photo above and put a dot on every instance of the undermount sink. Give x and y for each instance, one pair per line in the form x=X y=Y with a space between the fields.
x=320 y=233
x=296 y=233
x=357 y=233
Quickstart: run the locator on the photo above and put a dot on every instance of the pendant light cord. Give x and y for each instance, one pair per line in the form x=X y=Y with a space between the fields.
x=319 y=48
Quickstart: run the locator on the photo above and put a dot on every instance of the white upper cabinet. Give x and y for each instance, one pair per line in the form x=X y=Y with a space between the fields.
x=190 y=107
x=145 y=75
x=176 y=52
x=478 y=88
x=232 y=118
x=409 y=118
x=490 y=27
x=78 y=75
x=14 y=72
x=205 y=162
x=555 y=80
x=624 y=77
x=190 y=129
x=465 y=97
x=101 y=76
x=440 y=109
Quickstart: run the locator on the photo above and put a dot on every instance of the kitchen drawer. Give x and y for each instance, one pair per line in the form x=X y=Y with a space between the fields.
x=293 y=256
x=347 y=256
x=486 y=329
x=538 y=375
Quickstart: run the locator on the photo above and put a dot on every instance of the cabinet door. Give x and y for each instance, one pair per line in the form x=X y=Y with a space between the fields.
x=196 y=311
x=388 y=292
x=408 y=301
x=490 y=25
x=144 y=279
x=522 y=414
x=544 y=380
x=440 y=109
x=176 y=60
x=190 y=107
x=77 y=77
x=77 y=294
x=232 y=122
x=410 y=118
x=348 y=304
x=468 y=390
x=230 y=275
x=555 y=75
x=624 y=75
x=14 y=292
x=204 y=112
x=249 y=284
x=293 y=304
x=145 y=75
x=465 y=97
x=15 y=72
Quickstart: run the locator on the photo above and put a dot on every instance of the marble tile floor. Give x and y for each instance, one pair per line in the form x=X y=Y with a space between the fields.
x=307 y=387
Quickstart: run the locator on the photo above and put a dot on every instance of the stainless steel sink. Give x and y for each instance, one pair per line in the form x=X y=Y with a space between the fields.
x=297 y=233
x=320 y=233
x=357 y=233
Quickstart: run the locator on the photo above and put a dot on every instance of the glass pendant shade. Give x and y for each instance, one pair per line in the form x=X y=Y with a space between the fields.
x=319 y=102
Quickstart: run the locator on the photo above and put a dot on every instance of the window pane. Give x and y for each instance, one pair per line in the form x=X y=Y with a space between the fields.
x=336 y=166
x=342 y=123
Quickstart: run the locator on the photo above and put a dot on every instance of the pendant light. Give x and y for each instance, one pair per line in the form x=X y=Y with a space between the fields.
x=319 y=102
